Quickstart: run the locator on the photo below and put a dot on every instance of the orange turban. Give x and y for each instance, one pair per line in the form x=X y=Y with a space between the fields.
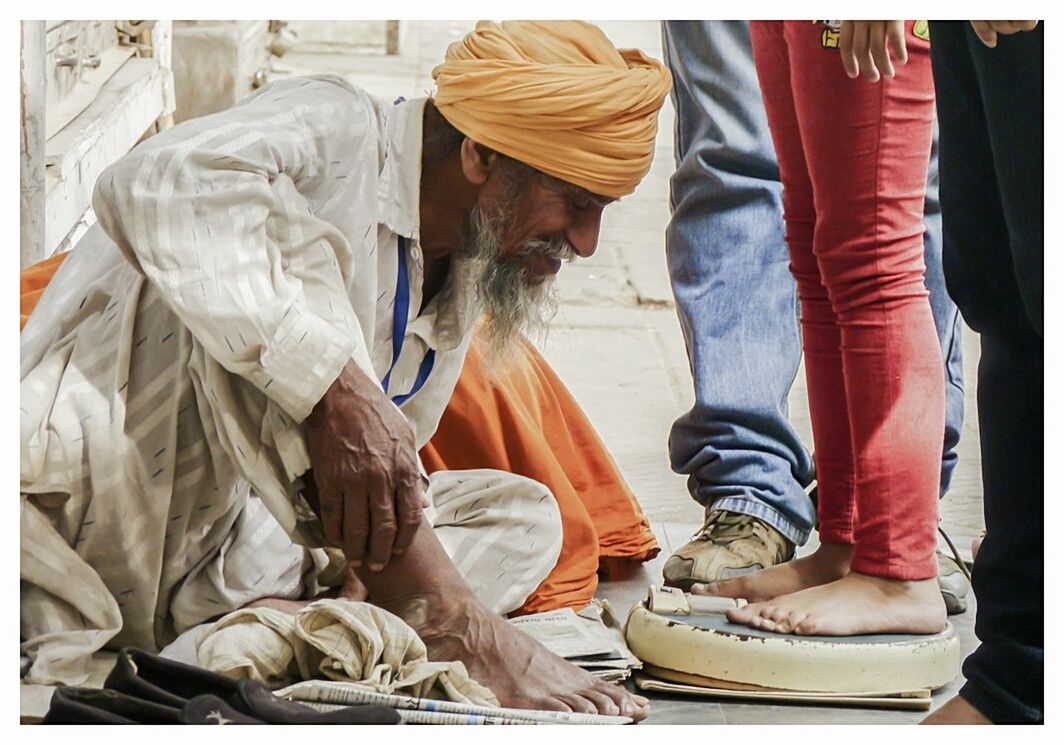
x=558 y=96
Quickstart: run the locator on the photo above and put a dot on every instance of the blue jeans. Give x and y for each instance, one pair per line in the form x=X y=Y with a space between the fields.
x=735 y=296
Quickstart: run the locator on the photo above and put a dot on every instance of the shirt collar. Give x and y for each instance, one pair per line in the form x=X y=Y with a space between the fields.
x=399 y=186
x=450 y=316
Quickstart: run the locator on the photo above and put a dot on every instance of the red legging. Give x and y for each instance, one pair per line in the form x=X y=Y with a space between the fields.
x=853 y=158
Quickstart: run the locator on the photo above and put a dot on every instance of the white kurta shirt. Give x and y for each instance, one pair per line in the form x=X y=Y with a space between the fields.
x=248 y=256
x=271 y=231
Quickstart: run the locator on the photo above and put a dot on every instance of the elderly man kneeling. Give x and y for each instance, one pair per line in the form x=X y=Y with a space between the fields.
x=269 y=325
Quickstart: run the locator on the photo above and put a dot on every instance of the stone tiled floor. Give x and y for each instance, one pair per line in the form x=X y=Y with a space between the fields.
x=617 y=339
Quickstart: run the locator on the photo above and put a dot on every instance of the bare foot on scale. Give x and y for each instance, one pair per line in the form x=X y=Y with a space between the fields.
x=831 y=561
x=855 y=604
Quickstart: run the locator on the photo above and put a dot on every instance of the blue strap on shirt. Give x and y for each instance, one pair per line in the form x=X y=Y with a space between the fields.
x=402 y=311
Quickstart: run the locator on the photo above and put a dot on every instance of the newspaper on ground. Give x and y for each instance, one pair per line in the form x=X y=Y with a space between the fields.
x=591 y=639
x=330 y=695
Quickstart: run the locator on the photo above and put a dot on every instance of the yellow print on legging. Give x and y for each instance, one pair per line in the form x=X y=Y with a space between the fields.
x=829 y=37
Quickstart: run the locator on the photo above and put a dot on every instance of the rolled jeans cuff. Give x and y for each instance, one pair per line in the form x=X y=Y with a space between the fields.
x=746 y=506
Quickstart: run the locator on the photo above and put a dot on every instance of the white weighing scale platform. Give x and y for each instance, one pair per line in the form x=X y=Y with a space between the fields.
x=688 y=646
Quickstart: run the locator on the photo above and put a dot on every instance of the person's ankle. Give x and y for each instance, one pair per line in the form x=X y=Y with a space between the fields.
x=834 y=557
x=895 y=586
x=436 y=614
x=419 y=609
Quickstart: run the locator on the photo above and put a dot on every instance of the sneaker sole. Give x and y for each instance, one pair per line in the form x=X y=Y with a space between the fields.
x=954 y=604
x=685 y=583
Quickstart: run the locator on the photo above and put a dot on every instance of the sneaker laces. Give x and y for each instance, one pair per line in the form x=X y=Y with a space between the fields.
x=723 y=527
x=956 y=554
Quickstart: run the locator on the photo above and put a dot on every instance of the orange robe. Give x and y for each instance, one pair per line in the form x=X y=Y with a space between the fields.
x=524 y=421
x=32 y=282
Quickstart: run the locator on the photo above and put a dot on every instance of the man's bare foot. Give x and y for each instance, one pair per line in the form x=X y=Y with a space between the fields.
x=855 y=604
x=956 y=711
x=519 y=671
x=829 y=562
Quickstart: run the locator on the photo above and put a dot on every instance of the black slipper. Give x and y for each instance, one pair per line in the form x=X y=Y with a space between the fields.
x=171 y=683
x=95 y=706
x=257 y=700
x=209 y=709
x=164 y=681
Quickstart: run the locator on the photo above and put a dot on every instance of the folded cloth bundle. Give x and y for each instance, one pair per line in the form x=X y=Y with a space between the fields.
x=339 y=640
x=146 y=689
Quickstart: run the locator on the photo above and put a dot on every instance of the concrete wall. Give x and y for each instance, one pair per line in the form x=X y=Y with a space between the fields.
x=215 y=64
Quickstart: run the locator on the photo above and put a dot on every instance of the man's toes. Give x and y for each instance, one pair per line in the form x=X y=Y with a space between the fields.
x=603 y=703
x=616 y=693
x=628 y=704
x=578 y=703
x=552 y=703
x=638 y=712
x=807 y=627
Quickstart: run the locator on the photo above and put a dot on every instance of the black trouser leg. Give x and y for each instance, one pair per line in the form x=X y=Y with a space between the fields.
x=990 y=109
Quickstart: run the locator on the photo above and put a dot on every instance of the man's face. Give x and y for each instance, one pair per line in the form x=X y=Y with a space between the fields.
x=524 y=226
x=542 y=216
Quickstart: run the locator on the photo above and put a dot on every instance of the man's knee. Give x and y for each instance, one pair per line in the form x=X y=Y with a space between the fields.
x=465 y=496
x=502 y=531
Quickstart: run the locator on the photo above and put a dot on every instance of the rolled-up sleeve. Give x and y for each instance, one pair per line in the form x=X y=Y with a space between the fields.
x=213 y=213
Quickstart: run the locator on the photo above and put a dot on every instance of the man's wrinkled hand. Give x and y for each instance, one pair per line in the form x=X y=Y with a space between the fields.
x=988 y=31
x=870 y=48
x=365 y=467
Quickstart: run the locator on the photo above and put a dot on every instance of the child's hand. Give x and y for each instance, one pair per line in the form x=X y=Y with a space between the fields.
x=988 y=31
x=868 y=46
